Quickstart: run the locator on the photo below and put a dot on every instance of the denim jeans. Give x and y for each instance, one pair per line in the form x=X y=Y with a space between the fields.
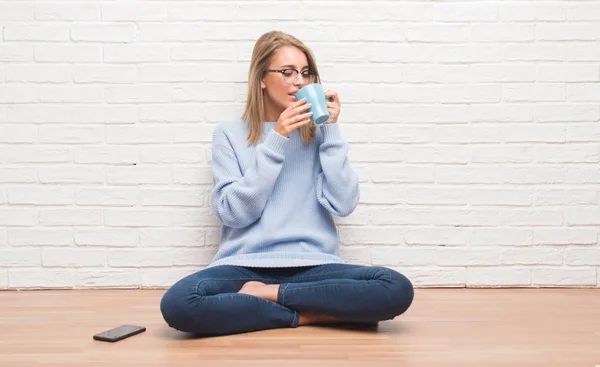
x=207 y=303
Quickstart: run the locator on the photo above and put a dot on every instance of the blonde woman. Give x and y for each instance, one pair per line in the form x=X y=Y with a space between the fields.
x=278 y=180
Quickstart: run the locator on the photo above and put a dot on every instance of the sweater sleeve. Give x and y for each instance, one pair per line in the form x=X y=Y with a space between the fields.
x=239 y=198
x=337 y=184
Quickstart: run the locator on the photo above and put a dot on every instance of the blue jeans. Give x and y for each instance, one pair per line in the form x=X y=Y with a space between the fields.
x=207 y=303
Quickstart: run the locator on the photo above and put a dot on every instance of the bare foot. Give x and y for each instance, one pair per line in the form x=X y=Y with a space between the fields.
x=262 y=290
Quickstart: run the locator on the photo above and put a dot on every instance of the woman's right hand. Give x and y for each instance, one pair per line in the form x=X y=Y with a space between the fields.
x=293 y=118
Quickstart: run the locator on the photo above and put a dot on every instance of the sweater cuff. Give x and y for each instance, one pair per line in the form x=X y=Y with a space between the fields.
x=276 y=142
x=331 y=132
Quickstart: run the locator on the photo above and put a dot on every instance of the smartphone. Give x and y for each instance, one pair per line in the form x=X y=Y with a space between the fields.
x=119 y=333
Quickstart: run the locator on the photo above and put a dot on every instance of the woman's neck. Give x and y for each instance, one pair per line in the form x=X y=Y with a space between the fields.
x=271 y=112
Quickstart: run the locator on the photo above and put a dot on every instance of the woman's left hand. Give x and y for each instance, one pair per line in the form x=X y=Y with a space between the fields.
x=333 y=106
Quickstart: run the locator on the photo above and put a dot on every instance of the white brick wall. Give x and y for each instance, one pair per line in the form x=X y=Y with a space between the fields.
x=474 y=127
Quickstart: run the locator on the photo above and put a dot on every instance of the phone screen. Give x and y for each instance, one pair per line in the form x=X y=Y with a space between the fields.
x=120 y=332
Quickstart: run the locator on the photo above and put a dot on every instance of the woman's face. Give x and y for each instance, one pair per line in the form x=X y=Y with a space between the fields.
x=281 y=87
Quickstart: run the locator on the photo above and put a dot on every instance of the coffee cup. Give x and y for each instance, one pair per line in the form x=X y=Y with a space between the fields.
x=315 y=95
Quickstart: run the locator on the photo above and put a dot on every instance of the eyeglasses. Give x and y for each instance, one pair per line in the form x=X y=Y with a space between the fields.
x=291 y=75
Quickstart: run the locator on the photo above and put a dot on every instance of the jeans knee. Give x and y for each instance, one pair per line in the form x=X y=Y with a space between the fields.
x=401 y=292
x=176 y=309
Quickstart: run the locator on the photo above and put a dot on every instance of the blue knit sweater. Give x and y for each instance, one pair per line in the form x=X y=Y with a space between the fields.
x=276 y=199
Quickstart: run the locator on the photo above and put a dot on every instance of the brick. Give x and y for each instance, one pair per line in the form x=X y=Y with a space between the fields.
x=173 y=73
x=18 y=175
x=384 y=33
x=18 y=133
x=572 y=113
x=70 y=217
x=69 y=53
x=72 y=174
x=567 y=32
x=371 y=235
x=71 y=94
x=583 y=12
x=503 y=73
x=532 y=256
x=583 y=51
x=433 y=73
x=3 y=279
x=488 y=133
x=195 y=133
x=71 y=134
x=173 y=32
x=192 y=176
x=37 y=32
x=162 y=197
x=107 y=278
x=500 y=197
x=582 y=175
x=387 y=173
x=118 y=258
x=582 y=256
x=533 y=133
x=67 y=12
x=582 y=216
x=466 y=217
x=500 y=237
x=359 y=255
x=166 y=277
x=136 y=53
x=564 y=276
x=18 y=93
x=15 y=12
x=194 y=256
x=40 y=237
x=428 y=276
x=468 y=53
x=137 y=218
x=103 y=32
x=501 y=154
x=470 y=94
x=209 y=12
x=133 y=11
x=572 y=153
x=531 y=12
x=568 y=73
x=401 y=256
x=203 y=92
x=138 y=134
x=498 y=277
x=563 y=197
x=73 y=257
x=465 y=12
x=136 y=175
x=534 y=92
x=535 y=52
x=19 y=258
x=172 y=237
x=583 y=132
x=584 y=92
x=207 y=51
x=502 y=32
x=175 y=154
x=18 y=217
x=106 y=196
x=38 y=74
x=138 y=94
x=481 y=256
x=34 y=154
x=107 y=155
x=436 y=236
x=437 y=154
x=16 y=53
x=118 y=74
x=40 y=195
x=107 y=237
x=40 y=278
x=413 y=53
x=531 y=217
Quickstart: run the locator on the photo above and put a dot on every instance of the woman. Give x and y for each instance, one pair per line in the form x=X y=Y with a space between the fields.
x=278 y=180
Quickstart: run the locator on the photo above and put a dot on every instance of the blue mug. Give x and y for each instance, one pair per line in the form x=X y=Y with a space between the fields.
x=315 y=95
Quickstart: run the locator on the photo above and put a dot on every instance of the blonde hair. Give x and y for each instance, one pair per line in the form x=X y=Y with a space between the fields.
x=262 y=54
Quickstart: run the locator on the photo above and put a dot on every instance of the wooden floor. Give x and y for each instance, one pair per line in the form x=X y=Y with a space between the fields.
x=444 y=327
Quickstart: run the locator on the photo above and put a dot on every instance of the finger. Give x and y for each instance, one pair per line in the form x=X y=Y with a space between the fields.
x=297 y=103
x=300 y=117
x=304 y=107
x=301 y=123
